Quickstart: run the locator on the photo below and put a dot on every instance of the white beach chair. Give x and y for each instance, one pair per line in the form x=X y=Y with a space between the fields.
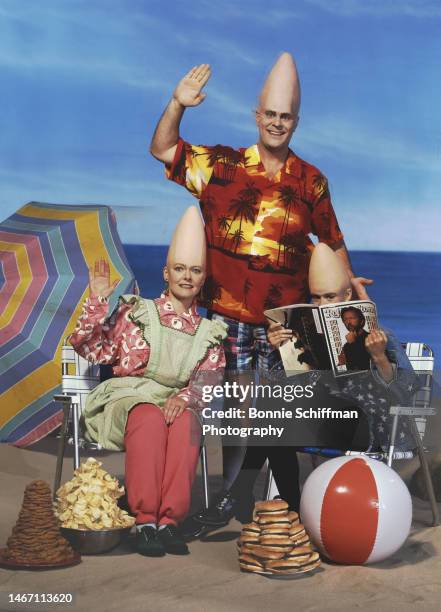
x=422 y=360
x=78 y=378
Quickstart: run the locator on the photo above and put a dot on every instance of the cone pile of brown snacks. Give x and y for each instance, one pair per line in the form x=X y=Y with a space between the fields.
x=36 y=537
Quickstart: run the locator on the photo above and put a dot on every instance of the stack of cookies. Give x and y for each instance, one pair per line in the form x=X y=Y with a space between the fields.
x=36 y=537
x=276 y=542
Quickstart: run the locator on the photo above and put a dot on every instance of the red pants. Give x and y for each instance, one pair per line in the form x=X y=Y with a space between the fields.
x=161 y=464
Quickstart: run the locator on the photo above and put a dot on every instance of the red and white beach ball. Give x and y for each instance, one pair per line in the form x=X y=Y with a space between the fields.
x=356 y=510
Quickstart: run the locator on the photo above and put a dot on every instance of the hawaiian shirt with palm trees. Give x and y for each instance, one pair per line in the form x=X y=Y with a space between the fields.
x=257 y=228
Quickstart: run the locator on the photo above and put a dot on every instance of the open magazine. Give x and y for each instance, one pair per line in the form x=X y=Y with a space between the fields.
x=329 y=337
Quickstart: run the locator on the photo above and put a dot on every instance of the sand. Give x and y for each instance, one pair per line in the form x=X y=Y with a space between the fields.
x=209 y=579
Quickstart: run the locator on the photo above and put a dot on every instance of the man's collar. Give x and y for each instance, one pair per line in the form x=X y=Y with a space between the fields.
x=292 y=163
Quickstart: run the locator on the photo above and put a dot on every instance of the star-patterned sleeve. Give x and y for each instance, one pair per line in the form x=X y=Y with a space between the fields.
x=210 y=371
x=192 y=167
x=95 y=336
x=405 y=382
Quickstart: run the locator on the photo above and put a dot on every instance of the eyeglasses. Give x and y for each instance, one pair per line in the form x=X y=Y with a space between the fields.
x=270 y=115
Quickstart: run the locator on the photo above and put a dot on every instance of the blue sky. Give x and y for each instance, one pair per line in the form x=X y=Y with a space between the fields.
x=84 y=82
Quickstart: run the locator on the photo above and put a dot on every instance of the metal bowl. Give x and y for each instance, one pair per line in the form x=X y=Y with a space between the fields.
x=94 y=542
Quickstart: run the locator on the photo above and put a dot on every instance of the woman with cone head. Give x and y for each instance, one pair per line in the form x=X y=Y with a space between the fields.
x=158 y=349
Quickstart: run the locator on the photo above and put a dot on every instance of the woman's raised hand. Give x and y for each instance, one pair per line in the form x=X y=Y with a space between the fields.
x=99 y=279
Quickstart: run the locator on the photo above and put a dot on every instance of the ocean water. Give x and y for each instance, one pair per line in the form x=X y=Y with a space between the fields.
x=406 y=289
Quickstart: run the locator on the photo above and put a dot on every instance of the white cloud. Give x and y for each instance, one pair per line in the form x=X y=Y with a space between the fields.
x=70 y=187
x=376 y=226
x=53 y=43
x=278 y=12
x=229 y=103
x=380 y=8
x=115 y=45
x=268 y=15
x=248 y=128
x=147 y=211
x=112 y=71
x=79 y=38
x=335 y=136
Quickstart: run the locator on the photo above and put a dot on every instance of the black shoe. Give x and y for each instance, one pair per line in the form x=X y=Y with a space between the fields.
x=147 y=542
x=191 y=529
x=172 y=541
x=219 y=513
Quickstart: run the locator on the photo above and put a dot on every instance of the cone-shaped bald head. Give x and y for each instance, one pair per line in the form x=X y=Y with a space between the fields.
x=188 y=244
x=328 y=275
x=281 y=91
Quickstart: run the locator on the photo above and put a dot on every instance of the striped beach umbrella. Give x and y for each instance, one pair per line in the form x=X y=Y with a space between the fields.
x=45 y=253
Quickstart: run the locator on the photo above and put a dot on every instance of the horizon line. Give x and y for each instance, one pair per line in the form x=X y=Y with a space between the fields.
x=354 y=250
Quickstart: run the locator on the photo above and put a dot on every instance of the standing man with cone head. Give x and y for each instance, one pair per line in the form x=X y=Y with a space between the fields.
x=259 y=205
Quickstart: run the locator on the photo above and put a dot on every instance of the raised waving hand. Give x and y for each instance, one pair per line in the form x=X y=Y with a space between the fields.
x=99 y=279
x=188 y=91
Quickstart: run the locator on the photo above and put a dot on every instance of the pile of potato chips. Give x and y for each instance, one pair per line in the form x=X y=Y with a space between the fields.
x=89 y=500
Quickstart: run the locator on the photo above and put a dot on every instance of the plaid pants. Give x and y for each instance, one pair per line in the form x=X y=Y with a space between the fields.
x=246 y=350
x=247 y=347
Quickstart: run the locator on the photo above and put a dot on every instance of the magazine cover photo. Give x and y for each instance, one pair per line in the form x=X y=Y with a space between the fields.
x=327 y=337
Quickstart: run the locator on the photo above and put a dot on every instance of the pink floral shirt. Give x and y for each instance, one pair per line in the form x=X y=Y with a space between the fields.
x=117 y=341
